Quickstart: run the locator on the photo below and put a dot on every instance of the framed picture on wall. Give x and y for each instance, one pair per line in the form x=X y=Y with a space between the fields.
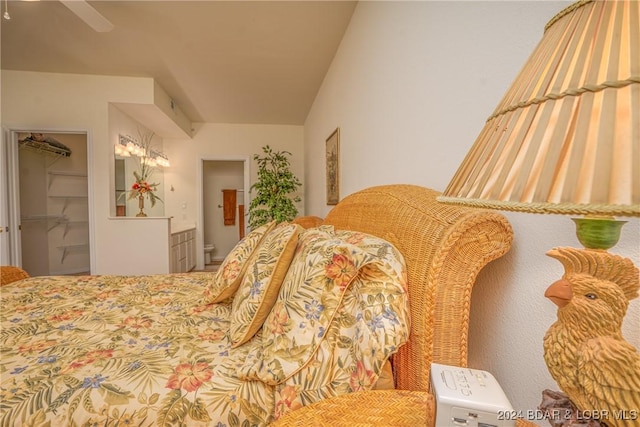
x=333 y=167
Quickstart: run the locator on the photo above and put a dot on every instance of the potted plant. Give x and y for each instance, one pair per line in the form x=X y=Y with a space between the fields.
x=274 y=199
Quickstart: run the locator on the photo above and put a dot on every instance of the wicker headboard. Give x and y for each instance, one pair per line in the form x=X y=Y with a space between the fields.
x=444 y=247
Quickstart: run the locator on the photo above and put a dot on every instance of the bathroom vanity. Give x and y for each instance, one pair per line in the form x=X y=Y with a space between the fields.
x=183 y=248
x=151 y=245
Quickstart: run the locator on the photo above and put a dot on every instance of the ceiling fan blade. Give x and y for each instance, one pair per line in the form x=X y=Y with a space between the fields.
x=88 y=14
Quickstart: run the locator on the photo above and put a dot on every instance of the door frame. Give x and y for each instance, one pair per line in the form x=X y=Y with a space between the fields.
x=5 y=239
x=13 y=188
x=200 y=192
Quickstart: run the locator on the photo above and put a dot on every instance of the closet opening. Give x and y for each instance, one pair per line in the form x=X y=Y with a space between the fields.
x=51 y=203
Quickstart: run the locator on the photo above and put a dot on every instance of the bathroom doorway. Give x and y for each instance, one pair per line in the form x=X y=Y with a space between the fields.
x=225 y=203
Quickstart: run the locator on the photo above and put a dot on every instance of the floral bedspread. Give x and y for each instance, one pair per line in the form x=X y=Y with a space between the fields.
x=119 y=351
x=147 y=351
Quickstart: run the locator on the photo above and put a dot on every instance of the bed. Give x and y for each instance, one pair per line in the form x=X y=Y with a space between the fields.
x=299 y=313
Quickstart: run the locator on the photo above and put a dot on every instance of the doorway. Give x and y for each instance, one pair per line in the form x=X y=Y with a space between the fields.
x=219 y=233
x=49 y=214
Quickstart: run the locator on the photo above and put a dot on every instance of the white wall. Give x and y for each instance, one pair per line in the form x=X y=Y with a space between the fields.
x=183 y=180
x=410 y=89
x=71 y=102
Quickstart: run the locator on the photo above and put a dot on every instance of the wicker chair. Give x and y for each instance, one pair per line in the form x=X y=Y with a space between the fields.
x=444 y=247
x=10 y=274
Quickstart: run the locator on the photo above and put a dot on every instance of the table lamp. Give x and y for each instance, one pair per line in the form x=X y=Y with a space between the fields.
x=565 y=139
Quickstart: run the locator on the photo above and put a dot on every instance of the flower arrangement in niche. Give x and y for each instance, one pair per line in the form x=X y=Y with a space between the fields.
x=142 y=187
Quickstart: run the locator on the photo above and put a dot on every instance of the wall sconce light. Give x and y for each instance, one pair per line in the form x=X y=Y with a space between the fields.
x=128 y=146
x=160 y=158
x=6 y=11
x=121 y=150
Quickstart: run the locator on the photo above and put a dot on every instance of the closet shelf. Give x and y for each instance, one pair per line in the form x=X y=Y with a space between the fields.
x=68 y=224
x=67 y=173
x=68 y=200
x=43 y=217
x=44 y=148
x=56 y=219
x=68 y=248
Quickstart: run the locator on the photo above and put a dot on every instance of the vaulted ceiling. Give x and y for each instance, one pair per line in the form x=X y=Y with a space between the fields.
x=221 y=61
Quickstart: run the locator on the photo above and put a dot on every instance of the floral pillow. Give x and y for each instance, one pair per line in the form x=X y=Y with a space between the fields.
x=386 y=254
x=387 y=320
x=259 y=288
x=231 y=271
x=370 y=325
x=322 y=269
x=351 y=353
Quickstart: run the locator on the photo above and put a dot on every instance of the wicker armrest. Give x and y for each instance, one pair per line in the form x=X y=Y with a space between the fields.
x=10 y=274
x=399 y=408
x=309 y=221
x=524 y=423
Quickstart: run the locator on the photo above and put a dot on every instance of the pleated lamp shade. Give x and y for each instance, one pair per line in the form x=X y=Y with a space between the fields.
x=565 y=138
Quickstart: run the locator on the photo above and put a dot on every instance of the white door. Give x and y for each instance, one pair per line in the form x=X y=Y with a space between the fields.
x=11 y=246
x=5 y=252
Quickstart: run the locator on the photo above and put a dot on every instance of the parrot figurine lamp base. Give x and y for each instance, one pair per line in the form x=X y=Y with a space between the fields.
x=584 y=349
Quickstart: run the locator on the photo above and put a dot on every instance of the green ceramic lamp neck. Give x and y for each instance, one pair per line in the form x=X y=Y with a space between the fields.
x=598 y=232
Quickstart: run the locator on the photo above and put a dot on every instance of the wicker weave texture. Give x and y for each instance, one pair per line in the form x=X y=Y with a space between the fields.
x=389 y=408
x=10 y=274
x=444 y=246
x=309 y=221
x=398 y=408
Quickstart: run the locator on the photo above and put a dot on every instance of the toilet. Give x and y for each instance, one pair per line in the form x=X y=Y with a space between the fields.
x=208 y=249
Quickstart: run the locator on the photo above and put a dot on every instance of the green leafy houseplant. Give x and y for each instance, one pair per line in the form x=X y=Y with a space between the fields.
x=273 y=190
